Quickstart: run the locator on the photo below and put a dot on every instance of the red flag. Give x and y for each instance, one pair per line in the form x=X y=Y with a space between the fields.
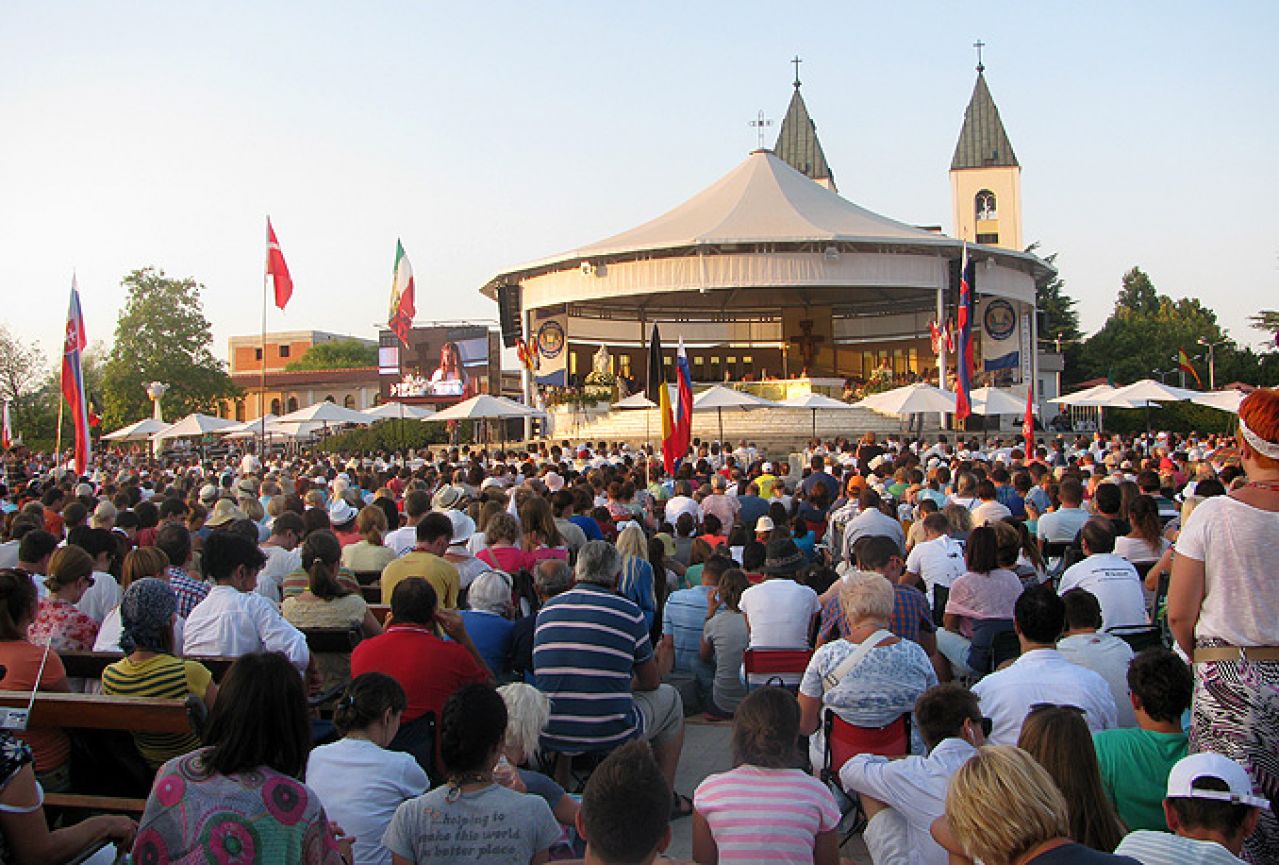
x=73 y=379
x=276 y=268
x=6 y=431
x=964 y=362
x=1028 y=423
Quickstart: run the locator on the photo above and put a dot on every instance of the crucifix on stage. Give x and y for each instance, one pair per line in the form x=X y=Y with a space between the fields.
x=807 y=342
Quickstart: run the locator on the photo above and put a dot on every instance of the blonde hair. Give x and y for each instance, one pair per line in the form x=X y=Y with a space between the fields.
x=631 y=542
x=527 y=711
x=104 y=515
x=143 y=562
x=371 y=523
x=865 y=595
x=1035 y=810
x=67 y=566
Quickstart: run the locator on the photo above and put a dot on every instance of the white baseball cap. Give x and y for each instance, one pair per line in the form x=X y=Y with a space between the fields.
x=1188 y=770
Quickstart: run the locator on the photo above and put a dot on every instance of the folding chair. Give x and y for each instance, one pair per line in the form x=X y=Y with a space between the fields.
x=1140 y=638
x=764 y=665
x=844 y=741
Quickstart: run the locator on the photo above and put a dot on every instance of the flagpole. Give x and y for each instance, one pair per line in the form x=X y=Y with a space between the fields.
x=262 y=393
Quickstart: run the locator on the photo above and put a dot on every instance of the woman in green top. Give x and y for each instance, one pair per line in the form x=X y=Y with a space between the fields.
x=150 y=669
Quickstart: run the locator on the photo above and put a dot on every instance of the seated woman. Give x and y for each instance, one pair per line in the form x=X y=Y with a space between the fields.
x=799 y=811
x=59 y=623
x=24 y=828
x=239 y=798
x=368 y=554
x=488 y=620
x=327 y=603
x=1145 y=543
x=22 y=662
x=542 y=538
x=1035 y=832
x=527 y=711
x=724 y=641
x=472 y=734
x=140 y=562
x=360 y=782
x=504 y=553
x=980 y=600
x=1060 y=741
x=636 y=581
x=881 y=685
x=713 y=531
x=148 y=612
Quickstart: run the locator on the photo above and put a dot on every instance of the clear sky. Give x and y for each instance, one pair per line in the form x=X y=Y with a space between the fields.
x=488 y=134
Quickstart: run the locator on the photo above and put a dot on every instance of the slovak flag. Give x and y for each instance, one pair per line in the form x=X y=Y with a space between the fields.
x=964 y=363
x=276 y=268
x=73 y=379
x=1028 y=422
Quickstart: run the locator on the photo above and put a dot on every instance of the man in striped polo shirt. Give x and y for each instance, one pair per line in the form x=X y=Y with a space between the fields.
x=592 y=657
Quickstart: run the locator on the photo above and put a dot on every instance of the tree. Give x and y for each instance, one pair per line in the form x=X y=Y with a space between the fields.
x=1267 y=320
x=1137 y=295
x=337 y=354
x=162 y=335
x=1061 y=321
x=21 y=365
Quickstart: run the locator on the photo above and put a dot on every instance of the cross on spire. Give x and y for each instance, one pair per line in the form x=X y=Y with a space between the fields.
x=760 y=125
x=979 y=45
x=796 y=61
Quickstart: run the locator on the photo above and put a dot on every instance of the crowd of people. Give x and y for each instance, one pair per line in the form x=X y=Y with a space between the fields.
x=1065 y=655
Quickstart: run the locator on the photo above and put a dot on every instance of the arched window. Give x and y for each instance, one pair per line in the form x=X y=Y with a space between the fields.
x=275 y=407
x=349 y=401
x=293 y=404
x=329 y=398
x=985 y=205
x=239 y=410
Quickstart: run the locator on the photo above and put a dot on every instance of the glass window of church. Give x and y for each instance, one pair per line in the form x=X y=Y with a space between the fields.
x=293 y=404
x=257 y=354
x=899 y=361
x=275 y=406
x=984 y=204
x=989 y=238
x=868 y=363
x=349 y=401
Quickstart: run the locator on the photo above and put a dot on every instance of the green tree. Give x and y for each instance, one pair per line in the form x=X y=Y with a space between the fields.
x=1061 y=320
x=38 y=421
x=337 y=354
x=1137 y=294
x=1267 y=320
x=162 y=335
x=21 y=366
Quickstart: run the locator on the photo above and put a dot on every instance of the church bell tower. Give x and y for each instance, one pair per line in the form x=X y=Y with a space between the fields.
x=985 y=177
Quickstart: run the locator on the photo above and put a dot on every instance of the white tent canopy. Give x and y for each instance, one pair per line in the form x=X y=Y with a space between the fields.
x=1092 y=396
x=718 y=396
x=325 y=412
x=250 y=426
x=390 y=410
x=816 y=402
x=993 y=401
x=193 y=425
x=1149 y=390
x=635 y=400
x=484 y=406
x=1225 y=400
x=912 y=399
x=135 y=432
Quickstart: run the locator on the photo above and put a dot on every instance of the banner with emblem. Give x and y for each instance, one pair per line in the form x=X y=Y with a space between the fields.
x=548 y=343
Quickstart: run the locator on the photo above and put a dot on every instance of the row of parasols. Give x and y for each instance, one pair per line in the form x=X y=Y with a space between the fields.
x=306 y=422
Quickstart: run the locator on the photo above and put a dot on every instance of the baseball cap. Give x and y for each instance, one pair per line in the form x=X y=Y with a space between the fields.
x=766 y=468
x=1188 y=770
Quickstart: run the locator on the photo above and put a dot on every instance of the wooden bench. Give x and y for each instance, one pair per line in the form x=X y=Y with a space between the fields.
x=332 y=640
x=100 y=712
x=380 y=612
x=372 y=593
x=89 y=665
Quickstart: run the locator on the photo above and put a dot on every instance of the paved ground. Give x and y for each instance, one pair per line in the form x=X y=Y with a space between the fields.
x=706 y=751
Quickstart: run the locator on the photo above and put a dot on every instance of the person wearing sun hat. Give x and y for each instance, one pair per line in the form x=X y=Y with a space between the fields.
x=342 y=517
x=779 y=611
x=224 y=513
x=1212 y=810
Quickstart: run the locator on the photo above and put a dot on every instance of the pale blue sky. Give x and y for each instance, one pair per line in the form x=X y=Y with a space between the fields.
x=487 y=134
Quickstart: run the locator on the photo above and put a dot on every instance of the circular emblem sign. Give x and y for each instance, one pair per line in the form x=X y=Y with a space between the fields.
x=550 y=339
x=1000 y=319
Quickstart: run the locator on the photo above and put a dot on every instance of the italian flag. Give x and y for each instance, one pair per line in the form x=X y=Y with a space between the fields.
x=402 y=291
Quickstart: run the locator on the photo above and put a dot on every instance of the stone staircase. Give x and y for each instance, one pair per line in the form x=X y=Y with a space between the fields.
x=776 y=430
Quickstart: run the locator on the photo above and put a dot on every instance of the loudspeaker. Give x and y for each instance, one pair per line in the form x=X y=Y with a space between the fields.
x=508 y=312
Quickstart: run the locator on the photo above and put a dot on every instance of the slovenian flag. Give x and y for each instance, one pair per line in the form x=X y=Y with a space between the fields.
x=963 y=404
x=683 y=417
x=73 y=379
x=403 y=292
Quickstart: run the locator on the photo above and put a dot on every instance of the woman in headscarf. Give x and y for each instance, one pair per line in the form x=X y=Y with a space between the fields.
x=150 y=668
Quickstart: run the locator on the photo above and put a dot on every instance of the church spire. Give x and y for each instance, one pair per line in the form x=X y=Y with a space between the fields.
x=797 y=143
x=983 y=143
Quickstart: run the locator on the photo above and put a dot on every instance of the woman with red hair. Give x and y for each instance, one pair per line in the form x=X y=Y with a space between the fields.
x=1223 y=609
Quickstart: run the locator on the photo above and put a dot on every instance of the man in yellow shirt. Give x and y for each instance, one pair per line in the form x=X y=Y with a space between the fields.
x=765 y=481
x=426 y=560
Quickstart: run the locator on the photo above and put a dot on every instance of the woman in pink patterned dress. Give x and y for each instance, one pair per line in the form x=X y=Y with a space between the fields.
x=58 y=622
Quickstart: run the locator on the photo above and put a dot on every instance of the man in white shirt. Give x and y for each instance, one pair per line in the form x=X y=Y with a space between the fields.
x=417 y=504
x=1104 y=654
x=937 y=561
x=1041 y=675
x=682 y=503
x=1061 y=525
x=1111 y=579
x=902 y=797
x=234 y=619
x=282 y=556
x=779 y=612
x=870 y=522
